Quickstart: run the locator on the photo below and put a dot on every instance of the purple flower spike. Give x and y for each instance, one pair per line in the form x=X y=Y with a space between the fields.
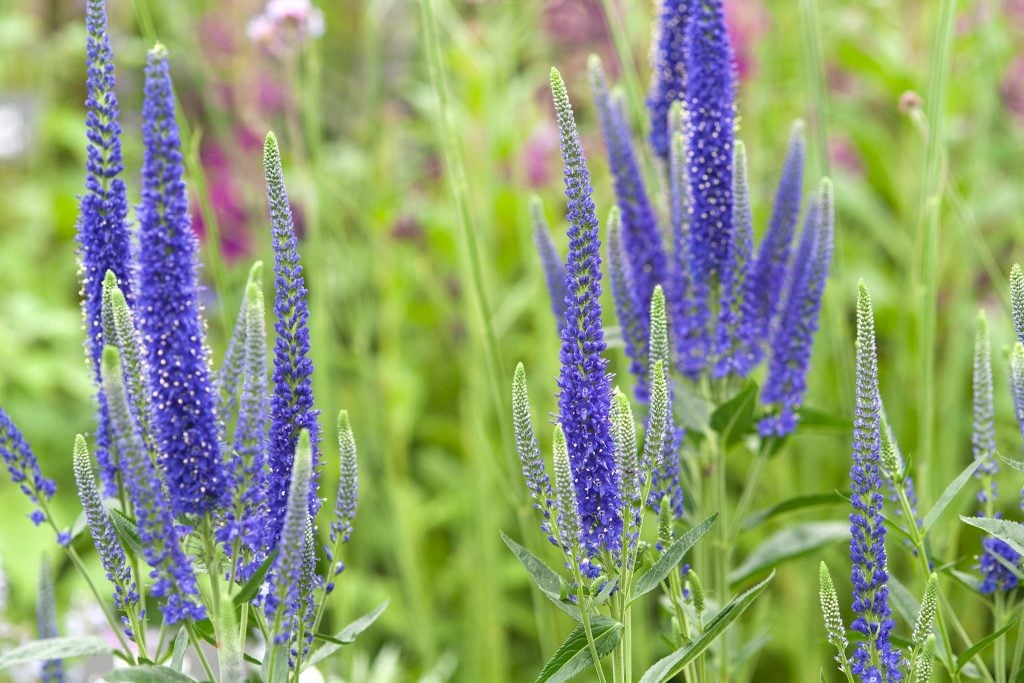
x=669 y=67
x=710 y=85
x=184 y=413
x=762 y=293
x=554 y=269
x=794 y=336
x=103 y=237
x=291 y=404
x=641 y=239
x=23 y=467
x=584 y=398
x=875 y=658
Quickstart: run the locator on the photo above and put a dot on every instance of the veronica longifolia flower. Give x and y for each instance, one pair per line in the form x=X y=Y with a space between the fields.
x=23 y=467
x=291 y=404
x=103 y=237
x=183 y=402
x=669 y=83
x=585 y=391
x=875 y=658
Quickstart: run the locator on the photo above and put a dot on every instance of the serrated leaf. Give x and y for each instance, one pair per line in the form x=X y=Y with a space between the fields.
x=669 y=666
x=671 y=558
x=792 y=505
x=544 y=576
x=148 y=673
x=605 y=592
x=127 y=531
x=344 y=636
x=787 y=544
x=947 y=496
x=968 y=654
x=54 y=648
x=251 y=588
x=1011 y=533
x=735 y=418
x=573 y=655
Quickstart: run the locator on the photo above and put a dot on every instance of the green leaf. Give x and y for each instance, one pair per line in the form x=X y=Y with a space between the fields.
x=180 y=645
x=669 y=666
x=345 y=635
x=128 y=532
x=148 y=673
x=573 y=655
x=54 y=648
x=735 y=418
x=605 y=592
x=812 y=419
x=671 y=558
x=691 y=409
x=229 y=649
x=812 y=500
x=1015 y=464
x=255 y=582
x=546 y=579
x=789 y=543
x=1011 y=533
x=968 y=654
x=947 y=496
x=903 y=600
x=280 y=664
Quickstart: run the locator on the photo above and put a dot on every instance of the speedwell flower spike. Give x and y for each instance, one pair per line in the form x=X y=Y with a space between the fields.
x=793 y=340
x=554 y=268
x=983 y=436
x=1017 y=300
x=282 y=601
x=835 y=631
x=23 y=467
x=584 y=387
x=569 y=524
x=104 y=536
x=46 y=621
x=727 y=342
x=1017 y=383
x=762 y=292
x=119 y=330
x=229 y=377
x=640 y=235
x=665 y=474
x=668 y=85
x=537 y=480
x=626 y=462
x=184 y=415
x=875 y=655
x=291 y=404
x=925 y=618
x=249 y=455
x=104 y=241
x=348 y=489
x=175 y=581
x=634 y=331
x=710 y=98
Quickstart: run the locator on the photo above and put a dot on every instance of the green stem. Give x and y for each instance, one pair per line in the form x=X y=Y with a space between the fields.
x=197 y=645
x=584 y=603
x=723 y=553
x=999 y=647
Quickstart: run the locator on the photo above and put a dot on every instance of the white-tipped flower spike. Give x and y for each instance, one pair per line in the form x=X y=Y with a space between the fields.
x=347 y=499
x=1017 y=382
x=983 y=435
x=697 y=591
x=229 y=377
x=624 y=437
x=665 y=523
x=568 y=511
x=834 y=629
x=926 y=662
x=119 y=330
x=1017 y=300
x=46 y=621
x=890 y=458
x=283 y=600
x=658 y=425
x=551 y=261
x=537 y=480
x=926 y=616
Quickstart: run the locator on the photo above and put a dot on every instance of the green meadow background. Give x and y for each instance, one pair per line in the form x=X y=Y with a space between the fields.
x=426 y=290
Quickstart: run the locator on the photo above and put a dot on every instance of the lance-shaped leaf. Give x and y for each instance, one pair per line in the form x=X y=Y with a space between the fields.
x=573 y=655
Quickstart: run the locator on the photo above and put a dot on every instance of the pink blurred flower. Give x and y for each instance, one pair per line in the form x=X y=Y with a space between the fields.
x=1012 y=89
x=285 y=24
x=747 y=22
x=537 y=155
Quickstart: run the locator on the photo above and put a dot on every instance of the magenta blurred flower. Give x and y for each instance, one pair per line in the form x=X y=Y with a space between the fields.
x=1012 y=89
x=746 y=22
x=285 y=24
x=537 y=155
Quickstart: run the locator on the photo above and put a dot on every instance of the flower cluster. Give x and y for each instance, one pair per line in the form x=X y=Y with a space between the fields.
x=206 y=476
x=730 y=307
x=284 y=24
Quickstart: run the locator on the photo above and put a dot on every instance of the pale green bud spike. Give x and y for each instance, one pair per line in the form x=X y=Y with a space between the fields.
x=289 y=567
x=743 y=217
x=229 y=378
x=658 y=425
x=107 y=308
x=834 y=629
x=129 y=343
x=1017 y=380
x=568 y=512
x=348 y=481
x=891 y=460
x=926 y=661
x=1017 y=300
x=697 y=591
x=665 y=519
x=659 y=327
x=623 y=430
x=526 y=443
x=679 y=191
x=926 y=616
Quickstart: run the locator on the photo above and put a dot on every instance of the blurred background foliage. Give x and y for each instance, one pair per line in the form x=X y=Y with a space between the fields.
x=397 y=333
